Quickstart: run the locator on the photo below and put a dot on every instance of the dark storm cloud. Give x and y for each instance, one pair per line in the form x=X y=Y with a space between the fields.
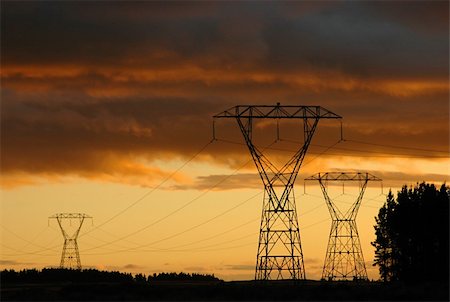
x=346 y=36
x=101 y=33
x=352 y=39
x=426 y=16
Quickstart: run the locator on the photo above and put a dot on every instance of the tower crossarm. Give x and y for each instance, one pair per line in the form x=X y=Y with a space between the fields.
x=70 y=215
x=61 y=216
x=343 y=176
x=362 y=178
x=277 y=112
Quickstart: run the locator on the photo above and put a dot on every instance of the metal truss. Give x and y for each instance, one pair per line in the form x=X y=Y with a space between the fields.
x=277 y=111
x=279 y=254
x=70 y=257
x=344 y=257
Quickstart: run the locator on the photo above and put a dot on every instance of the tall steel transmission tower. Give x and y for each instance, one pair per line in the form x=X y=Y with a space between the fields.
x=344 y=258
x=279 y=254
x=70 y=257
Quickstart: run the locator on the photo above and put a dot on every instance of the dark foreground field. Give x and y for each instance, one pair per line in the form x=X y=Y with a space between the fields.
x=219 y=290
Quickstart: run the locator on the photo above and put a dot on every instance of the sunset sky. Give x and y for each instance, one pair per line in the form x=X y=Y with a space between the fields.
x=102 y=101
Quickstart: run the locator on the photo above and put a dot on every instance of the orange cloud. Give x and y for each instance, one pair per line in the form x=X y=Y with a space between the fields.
x=106 y=82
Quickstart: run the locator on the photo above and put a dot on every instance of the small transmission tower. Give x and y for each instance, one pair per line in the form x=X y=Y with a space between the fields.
x=70 y=257
x=279 y=254
x=344 y=258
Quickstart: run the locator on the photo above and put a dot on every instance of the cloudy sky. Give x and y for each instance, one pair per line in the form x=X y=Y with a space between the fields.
x=102 y=101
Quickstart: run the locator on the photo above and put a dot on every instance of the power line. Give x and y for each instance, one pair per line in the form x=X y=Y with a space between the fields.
x=139 y=199
x=26 y=240
x=165 y=180
x=182 y=232
x=152 y=190
x=204 y=248
x=315 y=223
x=196 y=226
x=394 y=146
x=322 y=153
x=148 y=193
x=178 y=250
x=379 y=153
x=220 y=234
x=191 y=201
x=175 y=248
x=21 y=253
x=180 y=208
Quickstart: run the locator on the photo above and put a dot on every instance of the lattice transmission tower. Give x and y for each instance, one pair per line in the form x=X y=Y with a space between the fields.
x=279 y=254
x=344 y=257
x=70 y=257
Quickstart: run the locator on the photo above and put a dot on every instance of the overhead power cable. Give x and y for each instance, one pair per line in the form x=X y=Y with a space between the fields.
x=177 y=248
x=177 y=234
x=222 y=180
x=376 y=153
x=134 y=203
x=21 y=253
x=397 y=147
x=29 y=242
x=151 y=191
x=192 y=201
x=180 y=208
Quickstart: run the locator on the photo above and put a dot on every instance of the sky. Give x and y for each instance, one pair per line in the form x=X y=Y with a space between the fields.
x=106 y=109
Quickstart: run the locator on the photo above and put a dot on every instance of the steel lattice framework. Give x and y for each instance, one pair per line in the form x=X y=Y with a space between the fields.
x=279 y=254
x=344 y=257
x=70 y=257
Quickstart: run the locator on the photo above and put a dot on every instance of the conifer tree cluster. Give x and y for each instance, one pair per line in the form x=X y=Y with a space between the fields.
x=412 y=235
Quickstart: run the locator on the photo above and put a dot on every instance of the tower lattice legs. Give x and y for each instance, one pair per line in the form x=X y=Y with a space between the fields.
x=279 y=254
x=279 y=249
x=344 y=257
x=70 y=256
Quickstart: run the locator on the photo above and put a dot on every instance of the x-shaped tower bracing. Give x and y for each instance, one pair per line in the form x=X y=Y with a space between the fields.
x=70 y=257
x=279 y=254
x=344 y=258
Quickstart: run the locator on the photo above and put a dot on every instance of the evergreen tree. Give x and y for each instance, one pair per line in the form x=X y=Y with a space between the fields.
x=412 y=235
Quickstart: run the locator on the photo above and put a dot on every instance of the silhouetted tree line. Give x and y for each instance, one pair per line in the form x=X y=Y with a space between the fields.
x=182 y=276
x=48 y=275
x=93 y=276
x=412 y=235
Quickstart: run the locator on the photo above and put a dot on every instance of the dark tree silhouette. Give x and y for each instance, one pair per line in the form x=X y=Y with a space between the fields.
x=182 y=277
x=93 y=275
x=412 y=235
x=61 y=275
